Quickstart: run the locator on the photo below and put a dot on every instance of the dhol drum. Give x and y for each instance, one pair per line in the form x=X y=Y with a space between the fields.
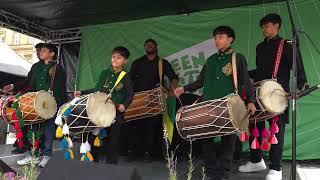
x=270 y=100
x=212 y=118
x=146 y=104
x=95 y=110
x=36 y=107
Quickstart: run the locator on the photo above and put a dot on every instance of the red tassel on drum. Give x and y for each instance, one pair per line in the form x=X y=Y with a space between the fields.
x=37 y=144
x=255 y=132
x=20 y=144
x=255 y=144
x=275 y=118
x=274 y=127
x=16 y=126
x=244 y=137
x=19 y=135
x=14 y=116
x=265 y=145
x=273 y=139
x=265 y=133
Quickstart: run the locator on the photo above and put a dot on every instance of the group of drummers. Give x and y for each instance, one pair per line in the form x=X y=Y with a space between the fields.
x=230 y=102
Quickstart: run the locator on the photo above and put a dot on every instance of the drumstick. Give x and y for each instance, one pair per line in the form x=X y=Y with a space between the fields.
x=108 y=97
x=176 y=96
x=284 y=93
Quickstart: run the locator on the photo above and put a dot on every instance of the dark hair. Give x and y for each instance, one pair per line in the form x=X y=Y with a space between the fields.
x=122 y=51
x=271 y=18
x=224 y=30
x=151 y=40
x=52 y=48
x=39 y=45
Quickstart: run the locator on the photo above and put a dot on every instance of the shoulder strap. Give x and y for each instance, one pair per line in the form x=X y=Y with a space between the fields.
x=234 y=72
x=121 y=75
x=277 y=59
x=160 y=70
x=53 y=74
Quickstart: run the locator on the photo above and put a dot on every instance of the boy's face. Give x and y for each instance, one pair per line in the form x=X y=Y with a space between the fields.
x=45 y=54
x=38 y=50
x=269 y=30
x=223 y=41
x=117 y=61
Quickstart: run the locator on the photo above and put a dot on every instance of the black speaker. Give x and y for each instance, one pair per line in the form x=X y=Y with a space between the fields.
x=5 y=168
x=78 y=170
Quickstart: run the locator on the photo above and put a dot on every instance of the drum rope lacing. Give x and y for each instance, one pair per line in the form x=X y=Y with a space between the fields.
x=82 y=99
x=149 y=99
x=199 y=136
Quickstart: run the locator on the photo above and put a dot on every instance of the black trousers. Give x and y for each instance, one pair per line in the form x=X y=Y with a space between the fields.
x=218 y=156
x=110 y=144
x=143 y=133
x=275 y=154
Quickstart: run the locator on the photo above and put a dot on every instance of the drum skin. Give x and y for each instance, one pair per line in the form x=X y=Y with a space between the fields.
x=81 y=121
x=270 y=100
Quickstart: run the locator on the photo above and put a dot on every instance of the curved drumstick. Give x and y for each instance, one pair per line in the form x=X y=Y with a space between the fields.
x=176 y=96
x=285 y=93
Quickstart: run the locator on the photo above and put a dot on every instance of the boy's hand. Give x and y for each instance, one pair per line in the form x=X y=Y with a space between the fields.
x=178 y=91
x=122 y=108
x=7 y=88
x=77 y=94
x=251 y=108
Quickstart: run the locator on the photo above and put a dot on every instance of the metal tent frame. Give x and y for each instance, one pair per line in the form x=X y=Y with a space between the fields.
x=34 y=29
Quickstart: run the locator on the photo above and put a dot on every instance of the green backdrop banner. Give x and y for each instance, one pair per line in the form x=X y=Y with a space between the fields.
x=186 y=41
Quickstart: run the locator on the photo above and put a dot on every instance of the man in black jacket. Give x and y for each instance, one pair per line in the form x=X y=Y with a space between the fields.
x=144 y=73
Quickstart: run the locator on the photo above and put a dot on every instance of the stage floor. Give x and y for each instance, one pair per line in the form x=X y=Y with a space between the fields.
x=156 y=170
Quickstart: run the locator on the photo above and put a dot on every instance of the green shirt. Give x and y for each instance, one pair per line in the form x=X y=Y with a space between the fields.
x=218 y=80
x=216 y=77
x=42 y=79
x=122 y=93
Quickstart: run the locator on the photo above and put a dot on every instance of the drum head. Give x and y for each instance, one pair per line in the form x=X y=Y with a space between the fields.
x=273 y=97
x=101 y=112
x=46 y=105
x=238 y=112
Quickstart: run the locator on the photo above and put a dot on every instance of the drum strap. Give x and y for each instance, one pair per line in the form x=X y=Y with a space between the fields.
x=121 y=75
x=53 y=74
x=277 y=60
x=234 y=72
x=160 y=70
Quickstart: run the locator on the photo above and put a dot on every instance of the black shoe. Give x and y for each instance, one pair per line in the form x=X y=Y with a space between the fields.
x=147 y=157
x=131 y=157
x=18 y=151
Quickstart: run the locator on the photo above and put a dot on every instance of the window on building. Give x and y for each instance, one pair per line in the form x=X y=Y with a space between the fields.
x=16 y=39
